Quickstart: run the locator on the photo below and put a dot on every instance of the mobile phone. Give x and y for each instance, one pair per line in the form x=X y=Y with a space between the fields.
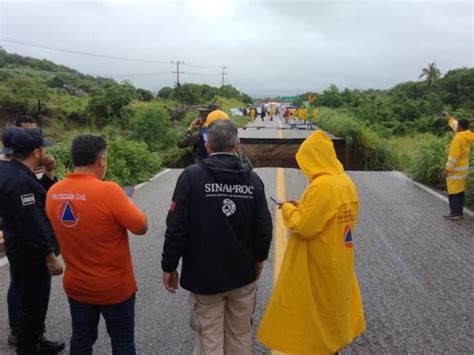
x=129 y=190
x=275 y=201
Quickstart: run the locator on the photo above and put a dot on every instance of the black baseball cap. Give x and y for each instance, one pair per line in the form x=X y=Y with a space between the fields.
x=28 y=140
x=7 y=137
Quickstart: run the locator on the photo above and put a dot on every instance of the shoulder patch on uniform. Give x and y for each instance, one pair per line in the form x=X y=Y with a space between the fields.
x=28 y=199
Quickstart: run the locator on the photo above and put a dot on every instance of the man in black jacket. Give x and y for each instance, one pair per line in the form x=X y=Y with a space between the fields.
x=220 y=225
x=47 y=180
x=29 y=241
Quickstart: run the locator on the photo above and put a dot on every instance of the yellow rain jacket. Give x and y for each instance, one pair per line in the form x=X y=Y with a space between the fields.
x=252 y=114
x=316 y=307
x=301 y=113
x=315 y=115
x=457 y=166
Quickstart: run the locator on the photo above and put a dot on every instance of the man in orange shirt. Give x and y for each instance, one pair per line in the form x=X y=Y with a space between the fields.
x=91 y=218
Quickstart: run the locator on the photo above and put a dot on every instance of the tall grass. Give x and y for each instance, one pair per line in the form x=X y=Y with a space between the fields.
x=429 y=159
x=421 y=156
x=366 y=144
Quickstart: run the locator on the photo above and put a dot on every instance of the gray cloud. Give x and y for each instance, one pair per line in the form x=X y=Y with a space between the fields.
x=270 y=47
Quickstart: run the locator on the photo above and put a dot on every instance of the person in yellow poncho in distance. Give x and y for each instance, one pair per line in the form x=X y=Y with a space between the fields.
x=316 y=307
x=252 y=114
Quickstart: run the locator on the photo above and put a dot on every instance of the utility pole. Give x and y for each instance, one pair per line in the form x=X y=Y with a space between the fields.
x=177 y=72
x=223 y=73
x=38 y=115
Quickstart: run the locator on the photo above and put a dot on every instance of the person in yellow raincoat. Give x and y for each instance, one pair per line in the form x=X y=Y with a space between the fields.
x=315 y=117
x=252 y=114
x=457 y=166
x=294 y=113
x=305 y=114
x=316 y=307
x=301 y=114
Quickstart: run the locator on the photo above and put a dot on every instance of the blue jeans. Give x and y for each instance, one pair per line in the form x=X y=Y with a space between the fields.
x=119 y=320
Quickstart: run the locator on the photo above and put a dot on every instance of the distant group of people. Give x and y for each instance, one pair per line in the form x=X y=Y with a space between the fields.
x=218 y=227
x=298 y=116
x=252 y=113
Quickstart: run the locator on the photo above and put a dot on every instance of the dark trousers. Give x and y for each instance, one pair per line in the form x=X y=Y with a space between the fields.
x=119 y=320
x=12 y=305
x=456 y=203
x=33 y=284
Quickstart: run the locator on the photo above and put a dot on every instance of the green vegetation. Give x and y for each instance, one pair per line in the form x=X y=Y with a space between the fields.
x=401 y=128
x=142 y=131
x=197 y=94
x=397 y=129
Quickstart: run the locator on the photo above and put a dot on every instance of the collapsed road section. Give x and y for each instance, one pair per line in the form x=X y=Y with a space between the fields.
x=273 y=146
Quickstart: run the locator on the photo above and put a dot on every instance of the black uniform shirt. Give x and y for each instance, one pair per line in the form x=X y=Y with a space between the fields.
x=27 y=230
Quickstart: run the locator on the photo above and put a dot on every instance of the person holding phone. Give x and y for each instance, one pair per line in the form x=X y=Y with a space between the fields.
x=317 y=295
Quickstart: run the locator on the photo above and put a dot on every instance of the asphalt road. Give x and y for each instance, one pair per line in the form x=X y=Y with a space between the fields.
x=416 y=273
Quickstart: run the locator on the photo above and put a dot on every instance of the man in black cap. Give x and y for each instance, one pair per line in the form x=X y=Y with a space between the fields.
x=29 y=240
x=47 y=180
x=7 y=152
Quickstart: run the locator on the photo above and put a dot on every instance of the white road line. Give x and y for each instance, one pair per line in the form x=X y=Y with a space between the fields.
x=434 y=193
x=153 y=178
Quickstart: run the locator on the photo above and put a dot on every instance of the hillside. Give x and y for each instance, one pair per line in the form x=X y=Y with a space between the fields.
x=67 y=94
x=142 y=130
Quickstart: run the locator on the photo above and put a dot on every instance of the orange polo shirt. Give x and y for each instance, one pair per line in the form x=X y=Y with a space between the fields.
x=90 y=218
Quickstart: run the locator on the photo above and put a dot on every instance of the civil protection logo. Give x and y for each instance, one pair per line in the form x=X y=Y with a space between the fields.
x=228 y=207
x=68 y=214
x=348 y=237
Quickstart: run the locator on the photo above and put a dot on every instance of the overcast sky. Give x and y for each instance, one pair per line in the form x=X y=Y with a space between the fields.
x=270 y=47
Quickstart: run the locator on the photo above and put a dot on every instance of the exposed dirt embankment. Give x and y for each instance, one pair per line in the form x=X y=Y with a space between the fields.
x=281 y=152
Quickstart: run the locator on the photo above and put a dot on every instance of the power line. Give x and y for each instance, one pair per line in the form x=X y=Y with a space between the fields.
x=199 y=74
x=38 y=45
x=201 y=66
x=73 y=51
x=130 y=74
x=91 y=54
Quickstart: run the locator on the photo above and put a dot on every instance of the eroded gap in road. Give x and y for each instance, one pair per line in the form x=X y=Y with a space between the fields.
x=275 y=152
